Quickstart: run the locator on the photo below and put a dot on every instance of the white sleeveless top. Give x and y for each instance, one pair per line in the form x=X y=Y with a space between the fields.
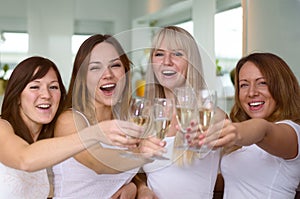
x=195 y=181
x=17 y=184
x=73 y=180
x=251 y=172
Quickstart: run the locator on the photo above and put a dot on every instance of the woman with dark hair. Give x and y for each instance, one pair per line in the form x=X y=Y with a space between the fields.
x=264 y=160
x=33 y=99
x=100 y=90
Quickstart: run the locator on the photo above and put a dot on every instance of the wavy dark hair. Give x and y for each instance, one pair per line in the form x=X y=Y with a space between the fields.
x=26 y=71
x=282 y=84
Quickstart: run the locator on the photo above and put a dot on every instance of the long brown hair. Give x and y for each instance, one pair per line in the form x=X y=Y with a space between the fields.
x=78 y=88
x=26 y=71
x=282 y=84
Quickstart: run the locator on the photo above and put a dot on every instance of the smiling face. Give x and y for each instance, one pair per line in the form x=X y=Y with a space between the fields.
x=39 y=100
x=105 y=75
x=254 y=94
x=170 y=66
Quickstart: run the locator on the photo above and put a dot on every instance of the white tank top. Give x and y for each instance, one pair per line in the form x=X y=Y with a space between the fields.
x=73 y=180
x=17 y=184
x=169 y=180
x=251 y=172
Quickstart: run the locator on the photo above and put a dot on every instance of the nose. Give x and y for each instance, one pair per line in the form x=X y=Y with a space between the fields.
x=253 y=91
x=107 y=74
x=45 y=93
x=167 y=59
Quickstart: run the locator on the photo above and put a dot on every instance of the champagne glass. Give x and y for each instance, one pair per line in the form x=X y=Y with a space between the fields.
x=206 y=104
x=207 y=100
x=162 y=116
x=140 y=111
x=140 y=114
x=185 y=103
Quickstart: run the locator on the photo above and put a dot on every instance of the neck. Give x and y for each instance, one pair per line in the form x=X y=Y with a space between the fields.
x=104 y=113
x=35 y=134
x=168 y=93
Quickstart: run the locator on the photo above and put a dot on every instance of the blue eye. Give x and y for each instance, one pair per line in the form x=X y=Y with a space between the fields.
x=178 y=54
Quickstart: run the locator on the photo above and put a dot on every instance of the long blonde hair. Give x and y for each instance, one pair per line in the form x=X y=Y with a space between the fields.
x=176 y=38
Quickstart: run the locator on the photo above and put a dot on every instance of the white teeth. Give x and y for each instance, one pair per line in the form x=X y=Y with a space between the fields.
x=44 y=106
x=108 y=86
x=256 y=103
x=168 y=72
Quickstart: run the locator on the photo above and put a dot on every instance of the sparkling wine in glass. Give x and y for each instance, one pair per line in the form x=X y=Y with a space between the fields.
x=207 y=100
x=185 y=103
x=162 y=116
x=206 y=104
x=139 y=112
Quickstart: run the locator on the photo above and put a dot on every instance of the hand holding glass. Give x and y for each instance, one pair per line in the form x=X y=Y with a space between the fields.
x=206 y=101
x=139 y=112
x=185 y=101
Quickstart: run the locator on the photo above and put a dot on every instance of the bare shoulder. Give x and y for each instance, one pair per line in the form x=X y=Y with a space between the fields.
x=5 y=130
x=5 y=125
x=69 y=122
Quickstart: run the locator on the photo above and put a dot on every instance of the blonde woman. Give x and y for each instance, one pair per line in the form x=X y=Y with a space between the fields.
x=175 y=62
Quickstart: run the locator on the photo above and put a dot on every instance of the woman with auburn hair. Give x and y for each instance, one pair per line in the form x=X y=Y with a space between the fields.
x=262 y=141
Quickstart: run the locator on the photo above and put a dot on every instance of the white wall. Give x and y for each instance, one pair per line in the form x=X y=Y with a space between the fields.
x=270 y=25
x=52 y=23
x=273 y=26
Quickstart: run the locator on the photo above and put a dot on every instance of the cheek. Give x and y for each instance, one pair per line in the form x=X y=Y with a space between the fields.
x=57 y=96
x=91 y=85
x=155 y=69
x=156 y=60
x=183 y=64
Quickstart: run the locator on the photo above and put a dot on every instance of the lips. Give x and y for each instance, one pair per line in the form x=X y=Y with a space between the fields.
x=256 y=105
x=44 y=106
x=108 y=87
x=168 y=72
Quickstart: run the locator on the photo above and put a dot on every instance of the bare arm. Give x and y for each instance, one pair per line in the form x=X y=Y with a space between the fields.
x=101 y=160
x=18 y=154
x=277 y=139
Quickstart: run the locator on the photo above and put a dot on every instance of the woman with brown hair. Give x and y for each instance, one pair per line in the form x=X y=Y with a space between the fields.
x=262 y=141
x=100 y=90
x=32 y=102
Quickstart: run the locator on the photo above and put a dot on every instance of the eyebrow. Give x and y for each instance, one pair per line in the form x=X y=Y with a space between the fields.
x=38 y=81
x=99 y=62
x=172 y=50
x=255 y=79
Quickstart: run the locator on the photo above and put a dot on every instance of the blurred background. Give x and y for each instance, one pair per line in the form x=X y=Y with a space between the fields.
x=224 y=29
